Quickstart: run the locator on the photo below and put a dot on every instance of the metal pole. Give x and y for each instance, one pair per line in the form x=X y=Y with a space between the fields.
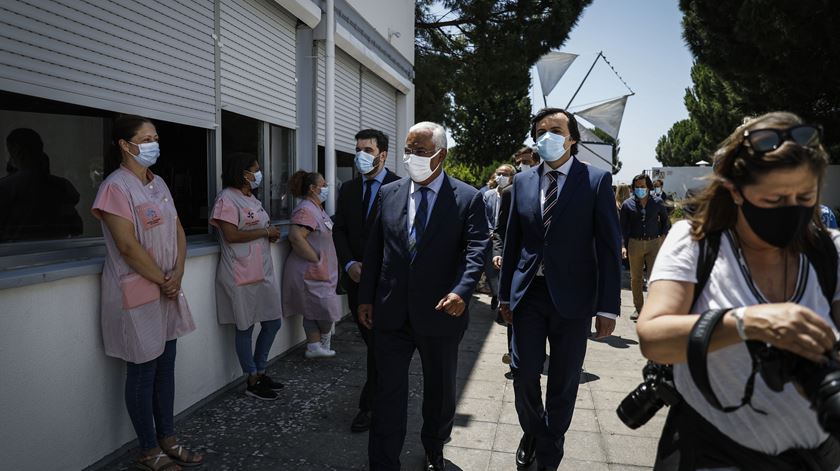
x=329 y=115
x=584 y=79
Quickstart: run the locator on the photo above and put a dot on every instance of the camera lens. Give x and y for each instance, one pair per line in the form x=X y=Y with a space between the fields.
x=639 y=406
x=824 y=393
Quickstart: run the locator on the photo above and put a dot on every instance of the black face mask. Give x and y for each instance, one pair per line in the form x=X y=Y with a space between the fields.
x=777 y=226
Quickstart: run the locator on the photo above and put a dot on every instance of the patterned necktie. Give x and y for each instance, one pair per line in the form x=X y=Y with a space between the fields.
x=550 y=200
x=420 y=220
x=366 y=199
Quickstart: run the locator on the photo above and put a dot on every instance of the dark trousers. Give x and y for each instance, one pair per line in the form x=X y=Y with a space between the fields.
x=439 y=356
x=368 y=395
x=534 y=321
x=150 y=397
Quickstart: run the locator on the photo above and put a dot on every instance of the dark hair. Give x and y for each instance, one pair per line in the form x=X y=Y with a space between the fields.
x=232 y=167
x=381 y=138
x=29 y=150
x=301 y=181
x=124 y=128
x=574 y=132
x=642 y=176
x=713 y=210
x=660 y=181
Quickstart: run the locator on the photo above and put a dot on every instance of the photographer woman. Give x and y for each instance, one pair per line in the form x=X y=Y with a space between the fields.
x=763 y=204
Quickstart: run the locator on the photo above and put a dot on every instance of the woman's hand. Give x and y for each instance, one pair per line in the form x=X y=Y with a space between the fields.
x=172 y=286
x=790 y=327
x=273 y=233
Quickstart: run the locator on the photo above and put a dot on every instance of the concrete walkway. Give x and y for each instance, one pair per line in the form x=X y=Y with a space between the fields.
x=308 y=428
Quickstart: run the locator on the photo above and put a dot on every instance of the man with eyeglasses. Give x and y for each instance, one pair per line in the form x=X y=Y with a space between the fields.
x=644 y=224
x=423 y=259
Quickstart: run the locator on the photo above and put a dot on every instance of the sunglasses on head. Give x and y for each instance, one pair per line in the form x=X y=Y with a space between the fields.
x=766 y=140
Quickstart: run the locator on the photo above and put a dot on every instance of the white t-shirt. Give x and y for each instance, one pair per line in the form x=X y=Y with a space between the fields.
x=790 y=422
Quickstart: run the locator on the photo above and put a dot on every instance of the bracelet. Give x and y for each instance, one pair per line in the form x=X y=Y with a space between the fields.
x=738 y=314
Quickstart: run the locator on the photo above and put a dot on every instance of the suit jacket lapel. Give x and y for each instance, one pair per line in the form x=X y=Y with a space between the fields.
x=445 y=199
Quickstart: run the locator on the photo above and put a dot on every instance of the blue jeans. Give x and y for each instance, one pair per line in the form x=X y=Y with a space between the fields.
x=257 y=361
x=150 y=397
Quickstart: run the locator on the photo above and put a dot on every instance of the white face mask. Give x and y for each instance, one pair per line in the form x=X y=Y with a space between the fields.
x=365 y=163
x=551 y=146
x=257 y=179
x=418 y=167
x=324 y=193
x=148 y=155
x=502 y=180
x=524 y=167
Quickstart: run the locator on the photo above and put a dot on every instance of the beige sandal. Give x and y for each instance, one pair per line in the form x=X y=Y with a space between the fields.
x=162 y=462
x=181 y=455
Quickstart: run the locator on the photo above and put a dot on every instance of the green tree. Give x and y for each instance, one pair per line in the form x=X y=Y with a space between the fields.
x=473 y=63
x=775 y=55
x=681 y=146
x=616 y=147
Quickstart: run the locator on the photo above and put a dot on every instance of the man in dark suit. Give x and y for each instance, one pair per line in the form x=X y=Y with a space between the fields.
x=561 y=267
x=423 y=259
x=356 y=209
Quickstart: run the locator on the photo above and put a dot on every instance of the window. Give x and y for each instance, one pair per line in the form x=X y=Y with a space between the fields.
x=53 y=157
x=345 y=166
x=274 y=148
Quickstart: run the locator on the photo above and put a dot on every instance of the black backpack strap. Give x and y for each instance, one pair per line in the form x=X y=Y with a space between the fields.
x=824 y=259
x=709 y=248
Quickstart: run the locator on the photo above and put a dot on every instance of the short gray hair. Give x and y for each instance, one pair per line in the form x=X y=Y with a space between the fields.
x=438 y=132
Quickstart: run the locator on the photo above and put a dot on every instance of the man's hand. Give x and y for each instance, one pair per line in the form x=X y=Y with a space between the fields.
x=604 y=327
x=497 y=262
x=451 y=304
x=507 y=314
x=355 y=272
x=365 y=312
x=624 y=253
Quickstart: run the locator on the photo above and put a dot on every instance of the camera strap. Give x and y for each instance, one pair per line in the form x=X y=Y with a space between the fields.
x=698 y=350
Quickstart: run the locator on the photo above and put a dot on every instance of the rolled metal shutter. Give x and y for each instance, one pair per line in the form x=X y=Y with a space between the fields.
x=348 y=95
x=379 y=111
x=258 y=61
x=153 y=58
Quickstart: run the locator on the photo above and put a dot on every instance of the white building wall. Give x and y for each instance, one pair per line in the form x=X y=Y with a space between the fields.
x=61 y=398
x=388 y=17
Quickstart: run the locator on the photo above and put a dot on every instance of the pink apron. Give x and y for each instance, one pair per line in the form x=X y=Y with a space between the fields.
x=247 y=291
x=309 y=288
x=137 y=319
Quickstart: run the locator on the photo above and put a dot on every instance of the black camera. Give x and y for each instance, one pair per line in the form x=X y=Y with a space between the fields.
x=645 y=401
x=820 y=383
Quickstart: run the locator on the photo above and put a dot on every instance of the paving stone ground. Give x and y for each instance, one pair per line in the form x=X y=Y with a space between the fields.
x=308 y=428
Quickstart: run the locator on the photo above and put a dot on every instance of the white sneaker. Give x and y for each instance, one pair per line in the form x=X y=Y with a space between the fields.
x=315 y=350
x=325 y=343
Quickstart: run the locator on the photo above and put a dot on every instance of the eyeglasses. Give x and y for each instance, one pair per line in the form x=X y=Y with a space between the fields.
x=766 y=140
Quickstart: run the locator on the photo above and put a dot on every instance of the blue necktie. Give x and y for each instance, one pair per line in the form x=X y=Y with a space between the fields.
x=550 y=200
x=420 y=220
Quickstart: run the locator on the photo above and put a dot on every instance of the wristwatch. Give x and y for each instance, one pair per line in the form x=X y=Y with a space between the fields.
x=738 y=314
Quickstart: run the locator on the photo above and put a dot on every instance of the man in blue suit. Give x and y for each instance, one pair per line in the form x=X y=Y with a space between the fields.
x=560 y=267
x=424 y=256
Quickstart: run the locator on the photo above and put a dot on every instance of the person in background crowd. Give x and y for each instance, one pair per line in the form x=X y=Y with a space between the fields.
x=310 y=274
x=504 y=177
x=423 y=259
x=36 y=205
x=525 y=159
x=827 y=217
x=659 y=192
x=247 y=291
x=762 y=204
x=144 y=310
x=622 y=194
x=644 y=222
x=356 y=209
x=562 y=214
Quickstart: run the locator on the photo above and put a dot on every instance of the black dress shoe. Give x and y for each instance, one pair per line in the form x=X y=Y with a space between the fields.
x=545 y=468
x=526 y=452
x=434 y=462
x=361 y=422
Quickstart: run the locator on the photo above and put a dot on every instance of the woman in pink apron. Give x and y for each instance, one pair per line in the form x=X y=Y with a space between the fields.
x=144 y=310
x=246 y=288
x=310 y=274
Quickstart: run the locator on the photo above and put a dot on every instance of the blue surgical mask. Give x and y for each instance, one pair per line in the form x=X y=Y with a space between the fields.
x=324 y=193
x=550 y=146
x=657 y=191
x=257 y=179
x=148 y=155
x=641 y=193
x=365 y=163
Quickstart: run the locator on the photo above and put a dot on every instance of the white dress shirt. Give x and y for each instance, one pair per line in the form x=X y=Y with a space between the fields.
x=414 y=199
x=561 y=180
